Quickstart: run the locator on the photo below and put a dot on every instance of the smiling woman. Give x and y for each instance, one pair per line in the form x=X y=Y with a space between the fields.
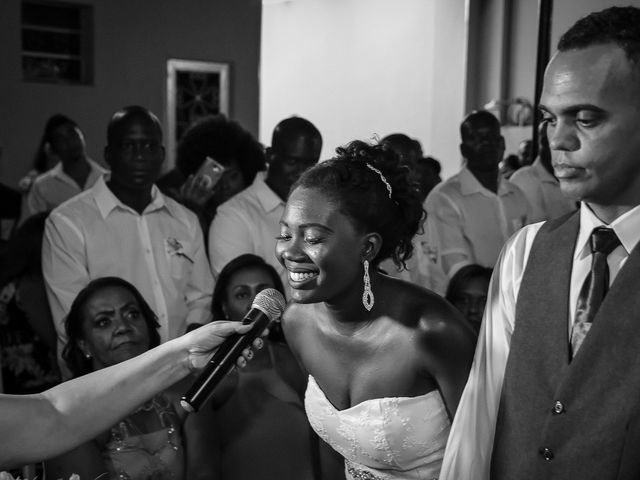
x=378 y=350
x=108 y=323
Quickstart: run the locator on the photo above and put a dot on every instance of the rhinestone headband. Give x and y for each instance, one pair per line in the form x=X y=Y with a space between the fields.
x=384 y=180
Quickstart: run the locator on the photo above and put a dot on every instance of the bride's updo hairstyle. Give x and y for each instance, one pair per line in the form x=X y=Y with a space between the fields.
x=368 y=184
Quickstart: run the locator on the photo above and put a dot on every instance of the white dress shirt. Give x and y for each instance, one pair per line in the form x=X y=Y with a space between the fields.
x=542 y=191
x=248 y=222
x=470 y=223
x=160 y=251
x=468 y=453
x=55 y=187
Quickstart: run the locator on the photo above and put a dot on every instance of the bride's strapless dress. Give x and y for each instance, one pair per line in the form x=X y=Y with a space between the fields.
x=383 y=438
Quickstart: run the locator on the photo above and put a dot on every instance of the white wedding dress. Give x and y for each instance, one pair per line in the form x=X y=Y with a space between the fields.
x=383 y=438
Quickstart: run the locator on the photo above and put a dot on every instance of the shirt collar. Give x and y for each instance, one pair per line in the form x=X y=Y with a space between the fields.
x=95 y=170
x=469 y=185
x=107 y=201
x=626 y=226
x=267 y=197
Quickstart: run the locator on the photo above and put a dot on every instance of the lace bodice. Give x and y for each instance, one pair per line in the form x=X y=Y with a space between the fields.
x=383 y=438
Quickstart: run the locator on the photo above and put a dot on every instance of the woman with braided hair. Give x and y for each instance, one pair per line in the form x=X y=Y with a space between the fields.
x=387 y=360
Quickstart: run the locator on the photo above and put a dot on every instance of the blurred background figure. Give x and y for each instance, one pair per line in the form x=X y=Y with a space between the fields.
x=509 y=165
x=262 y=427
x=62 y=165
x=109 y=322
x=540 y=186
x=409 y=150
x=525 y=152
x=27 y=334
x=428 y=174
x=467 y=291
x=227 y=142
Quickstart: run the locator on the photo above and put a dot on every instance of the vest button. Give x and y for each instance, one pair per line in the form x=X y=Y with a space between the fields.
x=558 y=407
x=546 y=453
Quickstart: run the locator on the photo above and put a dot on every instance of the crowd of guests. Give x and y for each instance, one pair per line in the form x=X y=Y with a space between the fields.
x=388 y=270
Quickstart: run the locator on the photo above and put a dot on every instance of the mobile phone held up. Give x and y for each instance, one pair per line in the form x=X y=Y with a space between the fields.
x=210 y=172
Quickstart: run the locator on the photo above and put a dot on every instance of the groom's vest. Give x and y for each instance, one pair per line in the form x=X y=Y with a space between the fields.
x=562 y=419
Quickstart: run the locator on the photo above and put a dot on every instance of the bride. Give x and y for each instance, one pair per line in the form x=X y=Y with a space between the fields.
x=387 y=360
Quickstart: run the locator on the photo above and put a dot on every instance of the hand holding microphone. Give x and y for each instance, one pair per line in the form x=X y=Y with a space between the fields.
x=267 y=307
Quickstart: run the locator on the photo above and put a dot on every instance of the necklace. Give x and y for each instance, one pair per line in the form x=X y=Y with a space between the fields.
x=132 y=445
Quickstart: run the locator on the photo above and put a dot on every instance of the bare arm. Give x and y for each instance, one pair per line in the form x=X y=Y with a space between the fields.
x=37 y=427
x=448 y=344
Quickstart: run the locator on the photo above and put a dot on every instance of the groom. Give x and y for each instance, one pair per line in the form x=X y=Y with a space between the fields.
x=554 y=392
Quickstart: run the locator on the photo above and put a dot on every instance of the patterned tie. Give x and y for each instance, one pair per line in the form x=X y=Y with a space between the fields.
x=602 y=241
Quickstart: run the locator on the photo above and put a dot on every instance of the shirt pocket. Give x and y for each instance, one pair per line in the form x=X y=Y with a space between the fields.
x=179 y=255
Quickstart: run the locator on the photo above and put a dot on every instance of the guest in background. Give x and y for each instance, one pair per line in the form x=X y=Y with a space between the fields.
x=472 y=214
x=126 y=227
x=409 y=150
x=428 y=172
x=40 y=426
x=248 y=222
x=229 y=144
x=264 y=419
x=467 y=291
x=509 y=165
x=44 y=159
x=540 y=186
x=109 y=322
x=27 y=334
x=386 y=359
x=73 y=171
x=525 y=152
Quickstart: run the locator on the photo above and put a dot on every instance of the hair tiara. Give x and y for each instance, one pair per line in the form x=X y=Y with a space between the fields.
x=382 y=177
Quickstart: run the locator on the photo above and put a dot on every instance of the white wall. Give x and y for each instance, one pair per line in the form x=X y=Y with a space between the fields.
x=359 y=68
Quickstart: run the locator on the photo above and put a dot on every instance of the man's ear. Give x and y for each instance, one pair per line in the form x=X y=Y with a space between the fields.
x=463 y=150
x=372 y=242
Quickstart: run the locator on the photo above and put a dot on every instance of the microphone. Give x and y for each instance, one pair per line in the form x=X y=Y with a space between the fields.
x=268 y=306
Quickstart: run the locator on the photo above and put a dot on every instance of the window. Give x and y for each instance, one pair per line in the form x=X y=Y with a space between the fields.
x=57 y=42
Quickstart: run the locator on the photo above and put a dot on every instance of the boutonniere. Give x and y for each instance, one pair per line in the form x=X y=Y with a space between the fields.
x=174 y=247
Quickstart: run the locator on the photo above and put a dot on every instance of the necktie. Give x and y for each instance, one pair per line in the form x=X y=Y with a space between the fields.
x=602 y=241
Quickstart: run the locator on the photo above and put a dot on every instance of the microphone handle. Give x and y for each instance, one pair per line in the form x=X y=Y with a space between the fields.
x=223 y=361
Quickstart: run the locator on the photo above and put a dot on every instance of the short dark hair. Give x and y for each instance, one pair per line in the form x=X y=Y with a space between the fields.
x=361 y=194
x=55 y=121
x=72 y=355
x=475 y=118
x=430 y=163
x=122 y=116
x=291 y=128
x=223 y=139
x=463 y=276
x=619 y=25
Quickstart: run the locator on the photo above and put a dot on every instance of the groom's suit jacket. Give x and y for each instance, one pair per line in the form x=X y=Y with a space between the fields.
x=561 y=418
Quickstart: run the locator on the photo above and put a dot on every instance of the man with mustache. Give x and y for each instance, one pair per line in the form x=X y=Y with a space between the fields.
x=555 y=386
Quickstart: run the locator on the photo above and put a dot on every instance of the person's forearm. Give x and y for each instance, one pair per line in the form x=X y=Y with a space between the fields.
x=78 y=410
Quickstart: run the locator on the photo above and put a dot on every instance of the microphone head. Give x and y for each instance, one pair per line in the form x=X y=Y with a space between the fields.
x=271 y=302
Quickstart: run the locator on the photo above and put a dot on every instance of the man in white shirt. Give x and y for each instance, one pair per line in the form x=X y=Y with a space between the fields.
x=537 y=405
x=249 y=222
x=540 y=186
x=125 y=227
x=74 y=172
x=472 y=214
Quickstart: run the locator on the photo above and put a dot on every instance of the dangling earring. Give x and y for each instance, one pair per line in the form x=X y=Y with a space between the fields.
x=367 y=295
